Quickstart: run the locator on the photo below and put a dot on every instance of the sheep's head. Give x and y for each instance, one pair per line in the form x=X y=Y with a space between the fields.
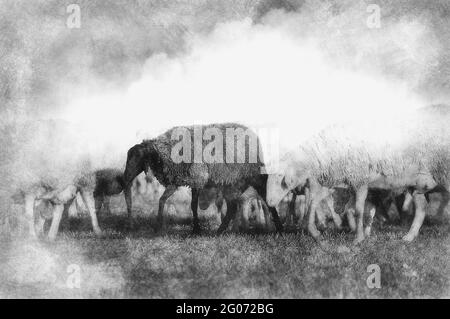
x=279 y=185
x=135 y=163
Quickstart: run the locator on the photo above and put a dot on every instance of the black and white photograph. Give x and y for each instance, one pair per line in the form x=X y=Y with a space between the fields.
x=246 y=150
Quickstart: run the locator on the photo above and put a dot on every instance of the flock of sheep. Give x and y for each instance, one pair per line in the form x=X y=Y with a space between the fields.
x=374 y=174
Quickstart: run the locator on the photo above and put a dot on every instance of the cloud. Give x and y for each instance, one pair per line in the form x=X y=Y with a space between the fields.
x=133 y=70
x=297 y=71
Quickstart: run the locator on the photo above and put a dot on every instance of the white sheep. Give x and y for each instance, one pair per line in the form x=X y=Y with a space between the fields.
x=59 y=197
x=54 y=161
x=342 y=155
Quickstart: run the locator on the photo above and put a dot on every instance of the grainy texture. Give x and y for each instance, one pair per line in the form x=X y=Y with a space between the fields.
x=82 y=81
x=144 y=264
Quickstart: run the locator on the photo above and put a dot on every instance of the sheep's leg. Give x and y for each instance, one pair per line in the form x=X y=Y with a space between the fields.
x=39 y=226
x=243 y=214
x=312 y=229
x=320 y=215
x=57 y=214
x=129 y=202
x=308 y=202
x=336 y=218
x=231 y=212
x=238 y=220
x=350 y=212
x=225 y=222
x=420 y=204
x=89 y=202
x=260 y=214
x=444 y=202
x=221 y=208
x=291 y=214
x=29 y=213
x=399 y=201
x=273 y=211
x=162 y=203
x=276 y=220
x=368 y=228
x=314 y=193
x=360 y=201
x=301 y=208
x=267 y=218
x=194 y=208
x=407 y=202
x=106 y=205
x=65 y=214
x=99 y=200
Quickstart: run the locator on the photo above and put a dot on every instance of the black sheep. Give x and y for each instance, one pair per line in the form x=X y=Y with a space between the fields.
x=231 y=175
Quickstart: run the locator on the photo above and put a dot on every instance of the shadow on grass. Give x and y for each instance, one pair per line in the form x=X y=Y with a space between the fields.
x=139 y=262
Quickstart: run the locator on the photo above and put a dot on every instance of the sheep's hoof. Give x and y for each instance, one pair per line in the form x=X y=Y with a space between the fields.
x=358 y=239
x=408 y=238
x=129 y=225
x=316 y=235
x=98 y=232
x=196 y=230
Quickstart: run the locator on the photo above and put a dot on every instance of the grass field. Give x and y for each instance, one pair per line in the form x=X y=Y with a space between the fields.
x=144 y=264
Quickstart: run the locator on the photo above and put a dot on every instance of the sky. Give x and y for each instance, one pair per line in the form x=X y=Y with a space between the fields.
x=135 y=68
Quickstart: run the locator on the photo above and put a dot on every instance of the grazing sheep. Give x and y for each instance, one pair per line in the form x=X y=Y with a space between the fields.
x=294 y=207
x=429 y=146
x=417 y=162
x=108 y=182
x=360 y=179
x=377 y=201
x=292 y=210
x=60 y=198
x=299 y=203
x=232 y=173
x=53 y=161
x=250 y=207
x=251 y=210
x=300 y=183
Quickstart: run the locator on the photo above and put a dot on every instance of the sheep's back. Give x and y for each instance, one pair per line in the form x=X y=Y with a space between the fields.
x=199 y=174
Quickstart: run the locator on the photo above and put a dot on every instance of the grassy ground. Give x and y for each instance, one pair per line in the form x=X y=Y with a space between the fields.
x=177 y=265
